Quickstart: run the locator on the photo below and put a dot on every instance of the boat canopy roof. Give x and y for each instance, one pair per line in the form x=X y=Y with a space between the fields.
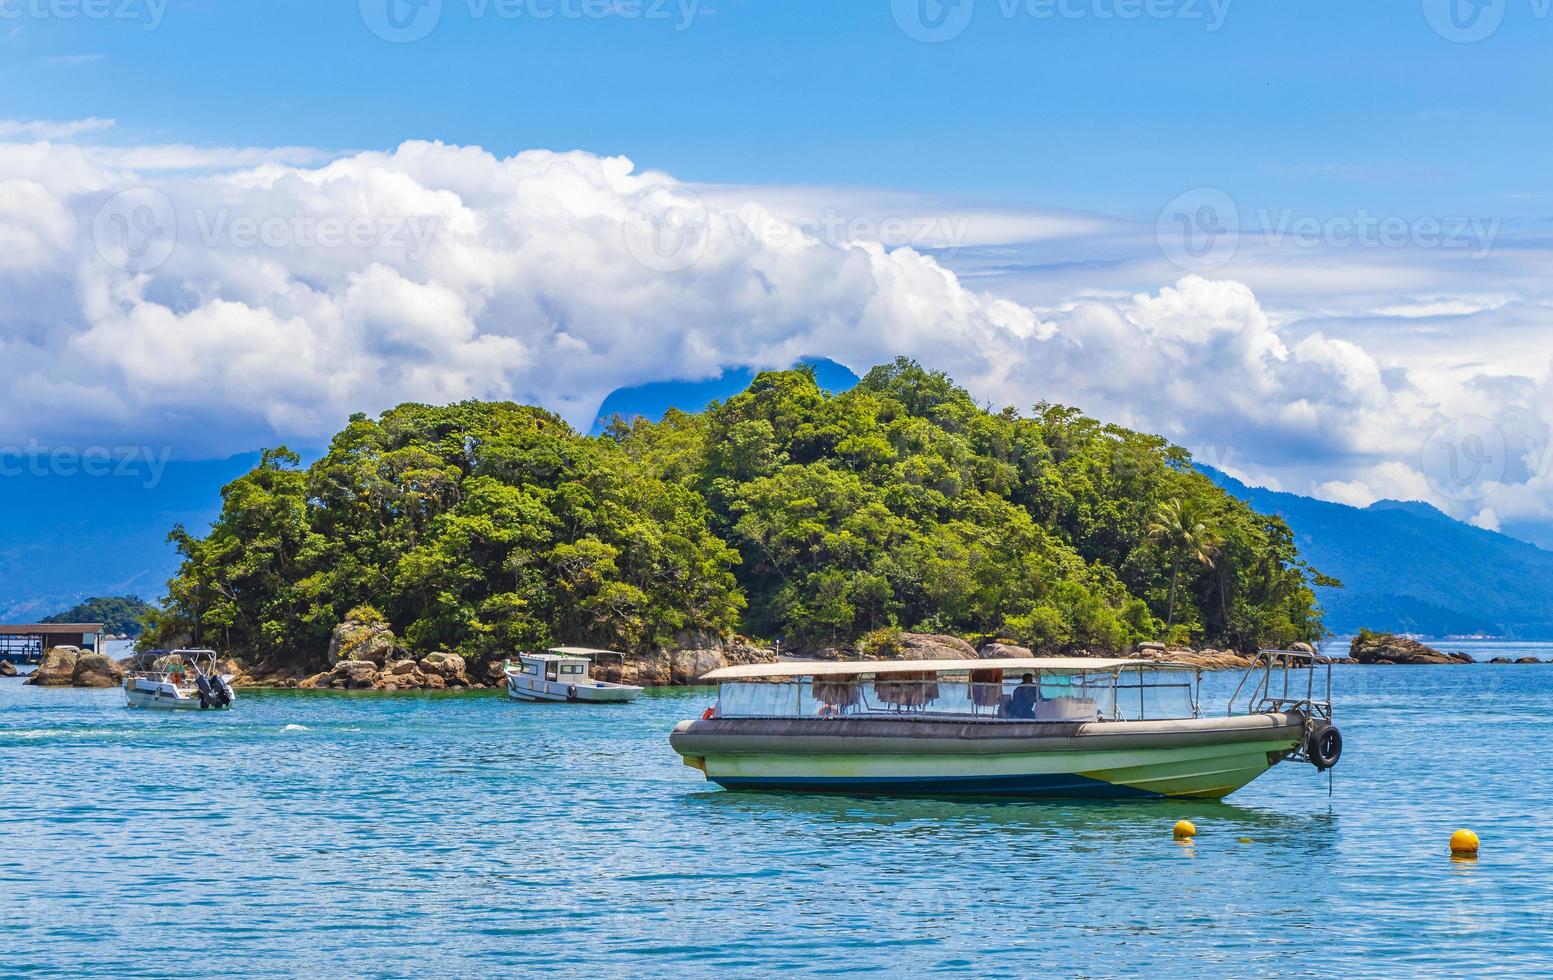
x=584 y=652
x=855 y=668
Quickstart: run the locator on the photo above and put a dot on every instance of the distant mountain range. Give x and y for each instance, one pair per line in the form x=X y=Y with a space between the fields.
x=1408 y=567
x=65 y=538
x=1405 y=565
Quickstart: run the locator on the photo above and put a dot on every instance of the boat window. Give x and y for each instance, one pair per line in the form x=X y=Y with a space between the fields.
x=531 y=669
x=983 y=696
x=550 y=671
x=572 y=668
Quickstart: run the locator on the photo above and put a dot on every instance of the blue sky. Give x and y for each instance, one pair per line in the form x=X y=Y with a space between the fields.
x=1309 y=241
x=1321 y=104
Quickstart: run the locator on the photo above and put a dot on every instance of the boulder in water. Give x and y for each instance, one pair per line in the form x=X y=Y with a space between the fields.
x=94 y=669
x=57 y=668
x=1389 y=648
x=7 y=669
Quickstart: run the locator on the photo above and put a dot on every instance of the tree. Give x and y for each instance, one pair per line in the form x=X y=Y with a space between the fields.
x=1180 y=529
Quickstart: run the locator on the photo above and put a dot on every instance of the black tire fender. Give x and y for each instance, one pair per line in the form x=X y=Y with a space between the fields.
x=1324 y=746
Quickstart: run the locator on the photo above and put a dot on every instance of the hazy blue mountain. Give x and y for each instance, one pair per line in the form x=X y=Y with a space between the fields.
x=67 y=536
x=1408 y=567
x=653 y=400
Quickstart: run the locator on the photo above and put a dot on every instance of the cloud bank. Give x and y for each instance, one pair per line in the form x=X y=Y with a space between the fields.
x=215 y=300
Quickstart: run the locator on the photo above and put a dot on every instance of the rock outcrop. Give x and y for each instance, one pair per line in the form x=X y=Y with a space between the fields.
x=935 y=646
x=94 y=669
x=71 y=667
x=1004 y=651
x=57 y=668
x=1207 y=658
x=687 y=667
x=364 y=636
x=693 y=656
x=7 y=669
x=1388 y=648
x=434 y=672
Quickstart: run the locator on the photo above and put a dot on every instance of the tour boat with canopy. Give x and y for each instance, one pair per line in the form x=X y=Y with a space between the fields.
x=173 y=680
x=565 y=674
x=1030 y=727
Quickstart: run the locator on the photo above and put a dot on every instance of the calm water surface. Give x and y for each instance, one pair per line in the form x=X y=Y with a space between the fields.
x=464 y=835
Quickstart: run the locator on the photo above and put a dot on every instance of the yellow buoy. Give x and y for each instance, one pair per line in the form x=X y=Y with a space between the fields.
x=1464 y=842
x=1185 y=830
x=1247 y=840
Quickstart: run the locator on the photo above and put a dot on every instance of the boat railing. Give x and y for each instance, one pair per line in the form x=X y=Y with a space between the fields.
x=1059 y=698
x=192 y=663
x=1284 y=681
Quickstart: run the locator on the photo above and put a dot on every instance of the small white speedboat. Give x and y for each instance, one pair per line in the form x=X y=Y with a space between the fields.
x=565 y=674
x=178 y=680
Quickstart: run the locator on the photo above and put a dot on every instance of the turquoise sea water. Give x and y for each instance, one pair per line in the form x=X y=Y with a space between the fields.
x=319 y=834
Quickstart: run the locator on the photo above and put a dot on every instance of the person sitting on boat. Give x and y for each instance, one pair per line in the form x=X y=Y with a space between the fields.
x=1022 y=704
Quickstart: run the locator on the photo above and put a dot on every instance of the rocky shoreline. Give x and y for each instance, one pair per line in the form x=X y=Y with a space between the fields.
x=366 y=656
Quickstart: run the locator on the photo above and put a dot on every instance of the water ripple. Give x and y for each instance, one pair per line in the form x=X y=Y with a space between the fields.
x=459 y=835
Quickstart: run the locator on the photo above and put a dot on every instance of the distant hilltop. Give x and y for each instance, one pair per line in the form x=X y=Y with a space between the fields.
x=1408 y=568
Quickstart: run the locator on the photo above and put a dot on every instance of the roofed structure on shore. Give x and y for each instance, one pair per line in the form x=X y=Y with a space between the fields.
x=27 y=642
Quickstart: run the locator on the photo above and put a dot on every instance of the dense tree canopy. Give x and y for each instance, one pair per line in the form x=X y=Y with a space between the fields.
x=903 y=502
x=784 y=512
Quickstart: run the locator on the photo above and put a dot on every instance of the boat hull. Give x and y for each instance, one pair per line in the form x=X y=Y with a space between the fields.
x=1194 y=759
x=162 y=700
x=527 y=689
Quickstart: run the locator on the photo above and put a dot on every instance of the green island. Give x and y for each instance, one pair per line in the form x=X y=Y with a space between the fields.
x=832 y=524
x=123 y=615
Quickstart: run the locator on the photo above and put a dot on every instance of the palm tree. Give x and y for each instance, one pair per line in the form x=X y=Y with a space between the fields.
x=1178 y=528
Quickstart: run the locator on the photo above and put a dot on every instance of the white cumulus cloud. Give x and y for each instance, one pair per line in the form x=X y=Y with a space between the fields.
x=216 y=300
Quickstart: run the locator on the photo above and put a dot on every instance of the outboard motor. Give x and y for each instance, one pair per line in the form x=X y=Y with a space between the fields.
x=222 y=690
x=207 y=693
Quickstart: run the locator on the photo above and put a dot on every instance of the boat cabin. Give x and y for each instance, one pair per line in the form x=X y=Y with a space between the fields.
x=1050 y=689
x=562 y=665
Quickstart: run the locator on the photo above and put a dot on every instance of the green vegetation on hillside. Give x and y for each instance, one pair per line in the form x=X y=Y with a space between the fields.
x=784 y=512
x=124 y=614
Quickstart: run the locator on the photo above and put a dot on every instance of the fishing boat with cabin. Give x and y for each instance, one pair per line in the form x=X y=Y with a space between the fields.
x=565 y=674
x=1029 y=727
